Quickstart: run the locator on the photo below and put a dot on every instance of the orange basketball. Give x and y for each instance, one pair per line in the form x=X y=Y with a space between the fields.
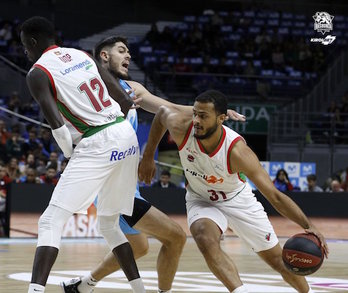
x=302 y=254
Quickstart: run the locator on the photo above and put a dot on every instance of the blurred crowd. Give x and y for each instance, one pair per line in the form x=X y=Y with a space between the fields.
x=29 y=156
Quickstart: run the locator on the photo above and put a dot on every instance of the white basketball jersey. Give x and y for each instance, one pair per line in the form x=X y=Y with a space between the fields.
x=210 y=175
x=81 y=95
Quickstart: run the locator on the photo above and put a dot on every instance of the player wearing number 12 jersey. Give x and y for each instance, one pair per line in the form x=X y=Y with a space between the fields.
x=85 y=107
x=215 y=159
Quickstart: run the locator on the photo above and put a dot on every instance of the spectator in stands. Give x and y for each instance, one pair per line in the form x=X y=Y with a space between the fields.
x=13 y=169
x=336 y=186
x=278 y=58
x=204 y=80
x=41 y=165
x=6 y=32
x=263 y=37
x=249 y=69
x=14 y=102
x=30 y=162
x=344 y=179
x=30 y=177
x=62 y=167
x=14 y=146
x=282 y=181
x=4 y=136
x=312 y=184
x=53 y=159
x=153 y=36
x=51 y=175
x=47 y=142
x=164 y=181
x=5 y=180
x=32 y=144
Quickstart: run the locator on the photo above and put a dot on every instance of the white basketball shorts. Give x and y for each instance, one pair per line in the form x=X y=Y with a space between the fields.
x=243 y=214
x=104 y=164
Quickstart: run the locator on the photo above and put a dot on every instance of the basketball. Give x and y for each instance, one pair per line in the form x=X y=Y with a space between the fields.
x=302 y=254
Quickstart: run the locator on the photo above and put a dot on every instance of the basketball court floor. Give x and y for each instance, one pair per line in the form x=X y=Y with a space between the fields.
x=78 y=256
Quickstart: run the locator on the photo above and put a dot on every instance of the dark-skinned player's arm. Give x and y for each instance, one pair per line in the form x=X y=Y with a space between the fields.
x=151 y=103
x=243 y=159
x=177 y=123
x=115 y=90
x=41 y=90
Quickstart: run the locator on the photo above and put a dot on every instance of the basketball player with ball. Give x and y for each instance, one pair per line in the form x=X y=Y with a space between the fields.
x=216 y=162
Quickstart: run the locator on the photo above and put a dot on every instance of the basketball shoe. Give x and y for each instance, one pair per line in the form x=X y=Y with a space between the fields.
x=71 y=286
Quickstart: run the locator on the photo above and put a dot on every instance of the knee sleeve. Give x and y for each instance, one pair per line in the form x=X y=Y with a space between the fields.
x=109 y=228
x=51 y=225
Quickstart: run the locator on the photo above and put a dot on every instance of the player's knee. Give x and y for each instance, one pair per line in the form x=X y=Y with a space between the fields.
x=50 y=226
x=180 y=237
x=141 y=249
x=109 y=228
x=176 y=237
x=206 y=243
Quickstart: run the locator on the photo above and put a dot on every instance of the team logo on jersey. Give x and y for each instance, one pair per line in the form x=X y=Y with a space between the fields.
x=193 y=152
x=57 y=53
x=190 y=158
x=66 y=58
x=213 y=180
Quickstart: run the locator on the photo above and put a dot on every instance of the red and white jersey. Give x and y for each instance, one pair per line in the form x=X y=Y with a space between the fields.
x=210 y=175
x=81 y=95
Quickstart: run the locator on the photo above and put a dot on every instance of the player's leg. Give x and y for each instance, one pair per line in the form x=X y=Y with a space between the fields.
x=207 y=236
x=50 y=228
x=71 y=194
x=247 y=218
x=86 y=284
x=207 y=224
x=172 y=237
x=273 y=257
x=140 y=247
x=117 y=195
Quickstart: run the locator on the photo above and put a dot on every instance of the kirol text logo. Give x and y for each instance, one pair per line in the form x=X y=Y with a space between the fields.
x=323 y=24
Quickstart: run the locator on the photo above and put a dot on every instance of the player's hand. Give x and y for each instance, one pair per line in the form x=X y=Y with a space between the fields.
x=231 y=114
x=314 y=230
x=136 y=100
x=146 y=170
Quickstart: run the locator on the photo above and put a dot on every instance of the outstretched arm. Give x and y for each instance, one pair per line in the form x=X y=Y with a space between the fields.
x=243 y=159
x=177 y=124
x=42 y=91
x=151 y=103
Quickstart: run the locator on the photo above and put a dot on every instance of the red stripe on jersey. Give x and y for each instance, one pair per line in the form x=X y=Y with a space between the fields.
x=50 y=78
x=186 y=137
x=220 y=144
x=229 y=153
x=50 y=48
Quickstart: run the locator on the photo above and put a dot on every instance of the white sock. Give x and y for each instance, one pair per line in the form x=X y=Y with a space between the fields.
x=35 y=288
x=241 y=289
x=87 y=285
x=137 y=285
x=163 y=291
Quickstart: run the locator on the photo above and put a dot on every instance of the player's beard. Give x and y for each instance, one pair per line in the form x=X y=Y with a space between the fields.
x=116 y=72
x=208 y=133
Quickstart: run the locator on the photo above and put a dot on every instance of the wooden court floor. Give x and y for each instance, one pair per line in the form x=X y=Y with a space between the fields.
x=77 y=257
